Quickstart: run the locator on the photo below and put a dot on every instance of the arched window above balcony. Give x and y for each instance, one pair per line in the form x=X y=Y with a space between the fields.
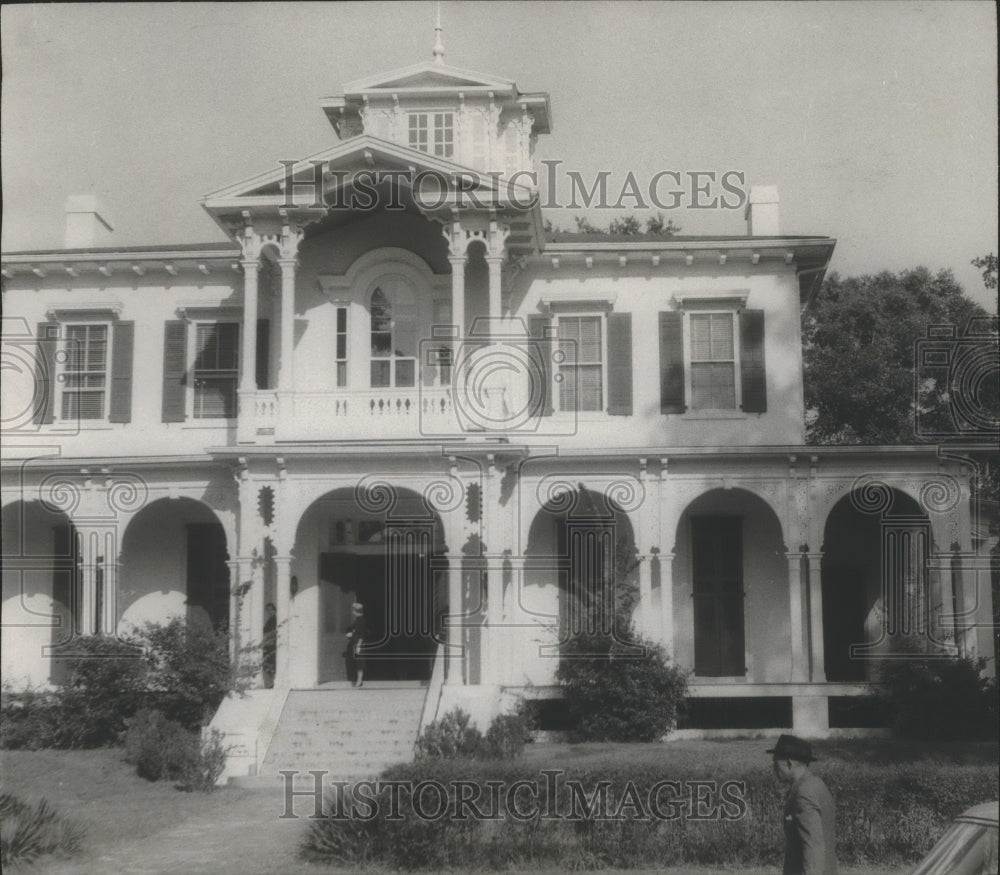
x=393 y=333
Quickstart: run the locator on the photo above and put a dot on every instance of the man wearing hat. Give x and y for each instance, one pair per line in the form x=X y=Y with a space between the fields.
x=810 y=838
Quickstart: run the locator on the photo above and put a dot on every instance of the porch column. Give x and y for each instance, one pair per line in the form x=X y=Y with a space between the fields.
x=495 y=264
x=236 y=619
x=816 y=659
x=645 y=592
x=286 y=370
x=798 y=668
x=457 y=263
x=456 y=650
x=248 y=337
x=283 y=603
x=667 y=601
x=87 y=545
x=109 y=607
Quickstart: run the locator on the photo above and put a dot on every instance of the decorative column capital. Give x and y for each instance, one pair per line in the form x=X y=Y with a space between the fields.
x=288 y=245
x=496 y=240
x=458 y=240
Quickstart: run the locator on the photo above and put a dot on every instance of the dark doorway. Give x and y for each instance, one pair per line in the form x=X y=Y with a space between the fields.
x=844 y=610
x=402 y=614
x=207 y=572
x=717 y=569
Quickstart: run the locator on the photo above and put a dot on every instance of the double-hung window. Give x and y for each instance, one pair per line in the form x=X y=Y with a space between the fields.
x=580 y=368
x=432 y=132
x=216 y=370
x=341 y=347
x=85 y=372
x=713 y=361
x=393 y=334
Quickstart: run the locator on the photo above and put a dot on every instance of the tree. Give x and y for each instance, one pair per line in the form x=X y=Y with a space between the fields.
x=988 y=265
x=859 y=337
x=627 y=226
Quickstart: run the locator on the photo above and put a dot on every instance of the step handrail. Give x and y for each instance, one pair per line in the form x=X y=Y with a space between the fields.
x=434 y=690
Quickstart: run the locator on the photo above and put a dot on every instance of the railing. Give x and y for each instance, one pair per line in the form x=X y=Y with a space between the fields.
x=384 y=413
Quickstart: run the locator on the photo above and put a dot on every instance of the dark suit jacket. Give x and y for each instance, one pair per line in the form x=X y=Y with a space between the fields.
x=810 y=837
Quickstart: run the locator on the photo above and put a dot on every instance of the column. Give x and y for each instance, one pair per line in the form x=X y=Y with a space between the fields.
x=458 y=294
x=645 y=593
x=818 y=668
x=494 y=569
x=283 y=603
x=798 y=668
x=455 y=619
x=88 y=580
x=248 y=337
x=667 y=601
x=495 y=264
x=236 y=637
x=286 y=368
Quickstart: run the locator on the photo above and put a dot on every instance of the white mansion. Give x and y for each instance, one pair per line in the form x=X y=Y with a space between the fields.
x=409 y=395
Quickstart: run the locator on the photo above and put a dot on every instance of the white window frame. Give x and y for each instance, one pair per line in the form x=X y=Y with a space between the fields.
x=192 y=357
x=557 y=316
x=63 y=370
x=392 y=358
x=737 y=408
x=341 y=362
x=430 y=131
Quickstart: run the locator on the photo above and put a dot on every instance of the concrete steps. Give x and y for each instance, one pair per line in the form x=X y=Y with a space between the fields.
x=349 y=733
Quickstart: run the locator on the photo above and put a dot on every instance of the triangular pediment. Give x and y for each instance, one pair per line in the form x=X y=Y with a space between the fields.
x=427 y=75
x=355 y=155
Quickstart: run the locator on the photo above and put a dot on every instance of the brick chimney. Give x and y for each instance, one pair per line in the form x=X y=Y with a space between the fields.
x=87 y=224
x=762 y=211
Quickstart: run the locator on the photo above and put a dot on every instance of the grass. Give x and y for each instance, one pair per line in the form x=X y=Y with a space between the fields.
x=132 y=825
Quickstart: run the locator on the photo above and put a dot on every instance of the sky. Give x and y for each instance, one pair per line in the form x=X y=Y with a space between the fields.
x=877 y=121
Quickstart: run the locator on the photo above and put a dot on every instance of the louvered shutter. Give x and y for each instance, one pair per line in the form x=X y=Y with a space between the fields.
x=671 y=363
x=620 y=364
x=174 y=368
x=539 y=327
x=122 y=356
x=753 y=378
x=263 y=348
x=45 y=372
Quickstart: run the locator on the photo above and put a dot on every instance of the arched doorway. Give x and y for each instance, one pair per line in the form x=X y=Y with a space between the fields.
x=877 y=592
x=389 y=557
x=173 y=564
x=730 y=580
x=580 y=567
x=42 y=595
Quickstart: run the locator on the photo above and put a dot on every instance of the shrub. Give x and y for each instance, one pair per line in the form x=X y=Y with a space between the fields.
x=935 y=697
x=617 y=691
x=159 y=748
x=190 y=671
x=449 y=737
x=105 y=686
x=202 y=770
x=885 y=814
x=29 y=831
x=30 y=719
x=508 y=733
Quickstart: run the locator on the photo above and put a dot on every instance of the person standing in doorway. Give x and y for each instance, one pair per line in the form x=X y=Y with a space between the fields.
x=353 y=654
x=809 y=815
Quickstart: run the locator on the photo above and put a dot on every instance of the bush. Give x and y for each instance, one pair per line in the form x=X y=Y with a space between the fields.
x=29 y=831
x=938 y=698
x=202 y=770
x=190 y=670
x=449 y=737
x=620 y=692
x=508 y=733
x=885 y=814
x=159 y=748
x=106 y=685
x=30 y=719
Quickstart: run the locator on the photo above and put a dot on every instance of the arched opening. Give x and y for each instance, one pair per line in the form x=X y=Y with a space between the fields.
x=388 y=556
x=41 y=591
x=173 y=564
x=877 y=592
x=730 y=581
x=580 y=567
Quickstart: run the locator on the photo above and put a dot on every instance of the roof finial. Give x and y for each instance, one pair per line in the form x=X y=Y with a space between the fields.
x=438 y=45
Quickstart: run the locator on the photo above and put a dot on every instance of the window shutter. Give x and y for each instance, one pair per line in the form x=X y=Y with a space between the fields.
x=752 y=379
x=174 y=368
x=620 y=364
x=45 y=372
x=671 y=363
x=540 y=329
x=263 y=347
x=121 y=372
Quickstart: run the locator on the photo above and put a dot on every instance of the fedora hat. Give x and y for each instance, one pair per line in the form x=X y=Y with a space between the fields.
x=791 y=747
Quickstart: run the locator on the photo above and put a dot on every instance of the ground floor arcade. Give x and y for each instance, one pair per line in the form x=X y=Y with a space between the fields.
x=774 y=577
